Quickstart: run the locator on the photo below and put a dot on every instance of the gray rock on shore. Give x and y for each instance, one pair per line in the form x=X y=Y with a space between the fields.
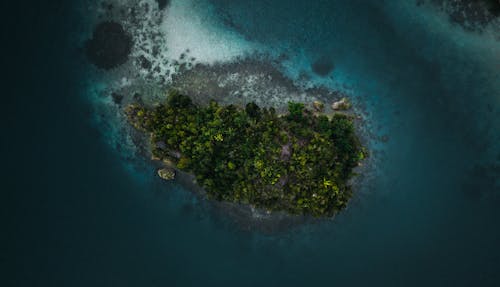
x=341 y=105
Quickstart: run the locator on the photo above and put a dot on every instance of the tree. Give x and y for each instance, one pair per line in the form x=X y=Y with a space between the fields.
x=253 y=110
x=296 y=111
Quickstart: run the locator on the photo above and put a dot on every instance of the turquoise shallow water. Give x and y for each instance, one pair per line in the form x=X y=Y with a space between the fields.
x=87 y=217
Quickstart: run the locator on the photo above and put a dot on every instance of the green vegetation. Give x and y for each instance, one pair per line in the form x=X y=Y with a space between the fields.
x=299 y=162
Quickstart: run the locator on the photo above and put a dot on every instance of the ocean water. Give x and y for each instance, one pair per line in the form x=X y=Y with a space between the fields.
x=82 y=211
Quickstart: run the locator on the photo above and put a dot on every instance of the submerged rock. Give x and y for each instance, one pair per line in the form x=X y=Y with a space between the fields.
x=166 y=173
x=162 y=4
x=322 y=66
x=341 y=105
x=109 y=46
x=117 y=98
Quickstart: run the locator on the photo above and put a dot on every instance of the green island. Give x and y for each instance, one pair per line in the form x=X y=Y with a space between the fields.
x=299 y=162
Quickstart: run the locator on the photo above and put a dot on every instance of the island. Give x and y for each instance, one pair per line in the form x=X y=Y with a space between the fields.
x=299 y=162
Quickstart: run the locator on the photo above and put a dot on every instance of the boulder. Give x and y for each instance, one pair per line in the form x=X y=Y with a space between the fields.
x=166 y=173
x=318 y=106
x=341 y=105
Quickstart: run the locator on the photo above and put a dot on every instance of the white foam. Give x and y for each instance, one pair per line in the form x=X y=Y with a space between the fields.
x=190 y=25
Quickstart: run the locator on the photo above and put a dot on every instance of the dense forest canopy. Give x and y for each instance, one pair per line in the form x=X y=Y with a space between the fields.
x=299 y=162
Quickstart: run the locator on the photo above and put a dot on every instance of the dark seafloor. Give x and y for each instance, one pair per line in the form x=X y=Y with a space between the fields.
x=77 y=215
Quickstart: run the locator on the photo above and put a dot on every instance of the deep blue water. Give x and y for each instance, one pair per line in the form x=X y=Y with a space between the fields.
x=77 y=215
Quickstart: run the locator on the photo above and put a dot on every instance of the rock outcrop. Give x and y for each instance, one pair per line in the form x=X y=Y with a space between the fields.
x=318 y=106
x=341 y=105
x=166 y=173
